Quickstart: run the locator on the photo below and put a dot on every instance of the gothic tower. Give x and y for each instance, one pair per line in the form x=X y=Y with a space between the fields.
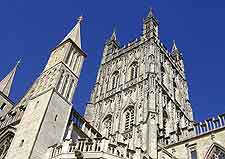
x=46 y=115
x=140 y=97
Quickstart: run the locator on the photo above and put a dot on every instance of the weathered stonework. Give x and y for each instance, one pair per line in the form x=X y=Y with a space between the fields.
x=139 y=107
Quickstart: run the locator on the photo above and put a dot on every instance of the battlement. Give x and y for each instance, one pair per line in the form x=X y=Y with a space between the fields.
x=196 y=130
x=210 y=124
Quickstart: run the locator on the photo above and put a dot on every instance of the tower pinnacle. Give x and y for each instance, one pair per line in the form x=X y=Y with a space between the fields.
x=6 y=83
x=80 y=19
x=151 y=15
x=174 y=46
x=113 y=37
x=151 y=26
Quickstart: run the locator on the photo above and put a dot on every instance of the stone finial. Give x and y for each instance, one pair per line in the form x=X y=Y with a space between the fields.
x=80 y=19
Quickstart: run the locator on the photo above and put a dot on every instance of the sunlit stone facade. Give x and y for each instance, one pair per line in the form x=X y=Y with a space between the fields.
x=139 y=107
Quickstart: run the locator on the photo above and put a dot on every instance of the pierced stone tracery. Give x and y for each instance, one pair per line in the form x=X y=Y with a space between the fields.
x=216 y=152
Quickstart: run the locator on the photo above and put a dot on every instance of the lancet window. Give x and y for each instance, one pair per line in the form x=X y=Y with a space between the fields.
x=60 y=80
x=65 y=84
x=107 y=123
x=217 y=152
x=133 y=70
x=129 y=118
x=70 y=89
x=115 y=79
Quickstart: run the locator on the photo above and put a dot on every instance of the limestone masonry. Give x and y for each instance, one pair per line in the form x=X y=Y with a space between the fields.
x=139 y=107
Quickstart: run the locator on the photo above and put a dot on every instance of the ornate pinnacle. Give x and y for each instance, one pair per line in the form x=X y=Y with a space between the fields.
x=80 y=19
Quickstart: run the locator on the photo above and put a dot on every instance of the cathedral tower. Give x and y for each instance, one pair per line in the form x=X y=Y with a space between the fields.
x=140 y=97
x=45 y=119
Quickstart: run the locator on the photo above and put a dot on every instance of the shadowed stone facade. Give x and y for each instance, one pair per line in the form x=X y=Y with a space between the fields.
x=139 y=107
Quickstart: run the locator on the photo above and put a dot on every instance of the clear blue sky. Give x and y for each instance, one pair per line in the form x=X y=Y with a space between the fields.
x=30 y=29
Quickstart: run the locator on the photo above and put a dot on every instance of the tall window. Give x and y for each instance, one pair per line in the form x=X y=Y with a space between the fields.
x=129 y=118
x=70 y=89
x=107 y=123
x=134 y=71
x=216 y=152
x=115 y=79
x=60 y=80
x=68 y=57
x=76 y=63
x=65 y=84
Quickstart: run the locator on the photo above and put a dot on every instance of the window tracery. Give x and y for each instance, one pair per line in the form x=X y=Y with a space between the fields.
x=129 y=118
x=115 y=79
x=107 y=124
x=217 y=153
x=133 y=70
x=4 y=146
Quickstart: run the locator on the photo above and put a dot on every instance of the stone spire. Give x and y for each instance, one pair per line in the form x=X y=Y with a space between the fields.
x=6 y=83
x=174 y=48
x=151 y=15
x=113 y=37
x=74 y=34
x=176 y=54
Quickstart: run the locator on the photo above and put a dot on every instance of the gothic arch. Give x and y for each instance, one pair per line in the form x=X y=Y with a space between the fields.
x=132 y=60
x=106 y=126
x=215 y=150
x=129 y=102
x=107 y=112
x=132 y=72
x=114 y=79
x=6 y=136
x=128 y=117
x=114 y=68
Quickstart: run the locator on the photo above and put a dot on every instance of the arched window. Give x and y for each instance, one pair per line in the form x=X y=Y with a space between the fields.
x=134 y=70
x=115 y=79
x=107 y=124
x=129 y=118
x=215 y=151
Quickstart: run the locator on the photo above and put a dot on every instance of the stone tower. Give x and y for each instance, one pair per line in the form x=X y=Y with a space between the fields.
x=46 y=115
x=140 y=97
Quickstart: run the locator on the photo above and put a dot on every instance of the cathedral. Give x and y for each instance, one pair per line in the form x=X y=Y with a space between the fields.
x=139 y=107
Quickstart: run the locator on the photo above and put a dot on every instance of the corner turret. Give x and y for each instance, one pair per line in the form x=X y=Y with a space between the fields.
x=151 y=26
